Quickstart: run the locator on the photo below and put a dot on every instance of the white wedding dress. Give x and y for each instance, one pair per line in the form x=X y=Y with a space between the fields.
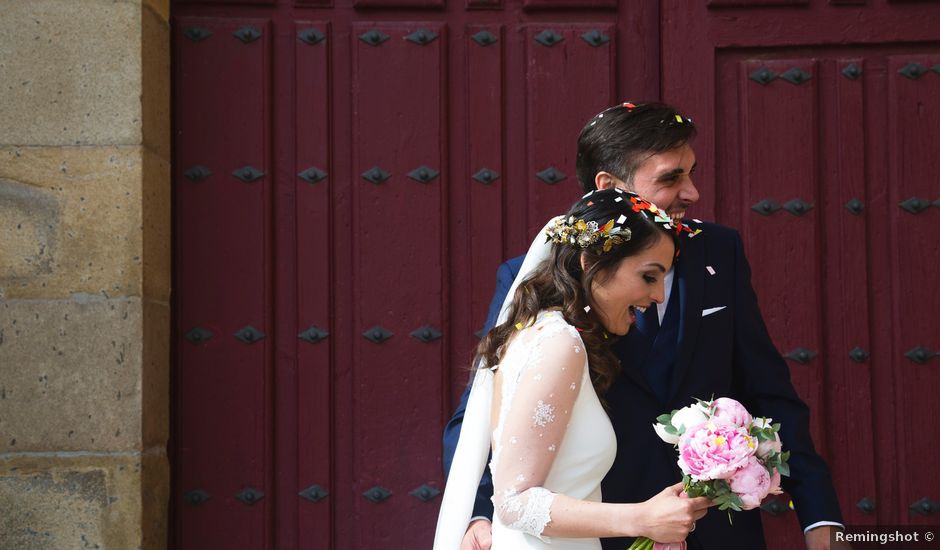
x=549 y=435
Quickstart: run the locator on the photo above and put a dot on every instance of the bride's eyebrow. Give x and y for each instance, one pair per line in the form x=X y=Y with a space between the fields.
x=657 y=265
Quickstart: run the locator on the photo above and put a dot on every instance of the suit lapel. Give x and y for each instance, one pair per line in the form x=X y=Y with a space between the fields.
x=691 y=273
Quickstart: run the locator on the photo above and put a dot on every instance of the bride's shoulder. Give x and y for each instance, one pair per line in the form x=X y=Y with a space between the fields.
x=550 y=326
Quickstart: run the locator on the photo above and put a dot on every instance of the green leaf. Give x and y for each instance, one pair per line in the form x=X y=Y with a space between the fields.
x=784 y=469
x=669 y=429
x=664 y=419
x=775 y=426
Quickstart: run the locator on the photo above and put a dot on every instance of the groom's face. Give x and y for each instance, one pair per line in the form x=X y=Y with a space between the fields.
x=665 y=179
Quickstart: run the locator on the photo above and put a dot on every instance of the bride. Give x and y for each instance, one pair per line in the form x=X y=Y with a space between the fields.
x=537 y=396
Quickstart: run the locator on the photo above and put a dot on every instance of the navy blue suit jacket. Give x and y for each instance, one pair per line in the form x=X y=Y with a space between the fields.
x=725 y=354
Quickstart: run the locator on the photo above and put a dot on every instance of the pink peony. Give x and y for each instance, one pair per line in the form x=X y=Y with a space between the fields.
x=714 y=450
x=775 y=484
x=730 y=411
x=751 y=483
x=764 y=448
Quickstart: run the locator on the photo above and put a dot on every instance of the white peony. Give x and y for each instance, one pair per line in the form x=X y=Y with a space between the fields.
x=667 y=437
x=690 y=416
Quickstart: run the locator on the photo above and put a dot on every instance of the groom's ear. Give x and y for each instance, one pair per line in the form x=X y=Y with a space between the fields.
x=605 y=180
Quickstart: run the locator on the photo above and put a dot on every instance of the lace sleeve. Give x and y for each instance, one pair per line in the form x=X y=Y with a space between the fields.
x=537 y=403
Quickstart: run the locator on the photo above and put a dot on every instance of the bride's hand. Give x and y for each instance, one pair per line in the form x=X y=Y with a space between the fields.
x=670 y=515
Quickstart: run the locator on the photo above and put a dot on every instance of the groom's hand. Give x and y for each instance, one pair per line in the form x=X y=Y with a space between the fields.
x=821 y=538
x=479 y=536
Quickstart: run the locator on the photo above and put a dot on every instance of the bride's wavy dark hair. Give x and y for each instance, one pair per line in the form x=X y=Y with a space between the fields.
x=560 y=283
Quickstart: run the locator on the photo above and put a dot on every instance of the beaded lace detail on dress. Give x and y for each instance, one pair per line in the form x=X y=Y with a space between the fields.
x=542 y=372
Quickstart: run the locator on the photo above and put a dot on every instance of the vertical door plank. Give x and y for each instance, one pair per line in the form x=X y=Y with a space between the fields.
x=223 y=283
x=313 y=183
x=399 y=277
x=913 y=134
x=845 y=287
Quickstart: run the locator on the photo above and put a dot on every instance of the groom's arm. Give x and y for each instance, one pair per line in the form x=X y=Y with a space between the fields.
x=483 y=506
x=764 y=377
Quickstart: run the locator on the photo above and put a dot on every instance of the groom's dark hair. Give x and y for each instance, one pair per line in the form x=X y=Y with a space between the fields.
x=619 y=139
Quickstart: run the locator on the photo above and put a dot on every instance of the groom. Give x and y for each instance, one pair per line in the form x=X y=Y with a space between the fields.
x=706 y=339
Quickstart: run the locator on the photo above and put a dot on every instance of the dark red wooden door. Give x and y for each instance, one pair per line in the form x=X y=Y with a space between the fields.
x=818 y=141
x=348 y=176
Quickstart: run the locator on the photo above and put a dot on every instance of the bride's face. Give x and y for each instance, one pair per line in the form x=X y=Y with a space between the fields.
x=637 y=281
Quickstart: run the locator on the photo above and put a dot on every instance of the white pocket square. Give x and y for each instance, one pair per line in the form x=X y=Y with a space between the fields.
x=709 y=311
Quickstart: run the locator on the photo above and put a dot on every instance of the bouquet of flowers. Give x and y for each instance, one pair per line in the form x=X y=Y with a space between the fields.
x=725 y=455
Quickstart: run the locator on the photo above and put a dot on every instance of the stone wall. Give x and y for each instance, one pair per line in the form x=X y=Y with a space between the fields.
x=84 y=273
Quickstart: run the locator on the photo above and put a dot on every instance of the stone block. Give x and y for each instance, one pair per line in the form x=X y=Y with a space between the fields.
x=101 y=501
x=70 y=375
x=71 y=73
x=71 y=221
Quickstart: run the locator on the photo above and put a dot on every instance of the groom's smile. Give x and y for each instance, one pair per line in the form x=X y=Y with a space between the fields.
x=665 y=179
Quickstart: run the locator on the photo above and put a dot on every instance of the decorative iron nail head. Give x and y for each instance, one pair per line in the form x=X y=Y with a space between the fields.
x=421 y=37
x=548 y=38
x=425 y=493
x=919 y=355
x=551 y=175
x=858 y=355
x=248 y=334
x=914 y=205
x=197 y=173
x=801 y=355
x=373 y=37
x=595 y=38
x=797 y=207
x=925 y=507
x=198 y=335
x=375 y=175
x=774 y=507
x=865 y=505
x=196 y=497
x=913 y=70
x=312 y=175
x=485 y=176
x=377 y=334
x=484 y=38
x=796 y=75
x=197 y=34
x=426 y=334
x=377 y=494
x=311 y=36
x=250 y=496
x=852 y=71
x=248 y=174
x=762 y=76
x=855 y=206
x=313 y=335
x=247 y=34
x=765 y=207
x=423 y=174
x=314 y=493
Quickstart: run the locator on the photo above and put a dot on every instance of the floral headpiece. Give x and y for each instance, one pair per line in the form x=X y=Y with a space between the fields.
x=585 y=234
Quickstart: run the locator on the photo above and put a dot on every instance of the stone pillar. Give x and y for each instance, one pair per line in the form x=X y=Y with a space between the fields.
x=84 y=273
